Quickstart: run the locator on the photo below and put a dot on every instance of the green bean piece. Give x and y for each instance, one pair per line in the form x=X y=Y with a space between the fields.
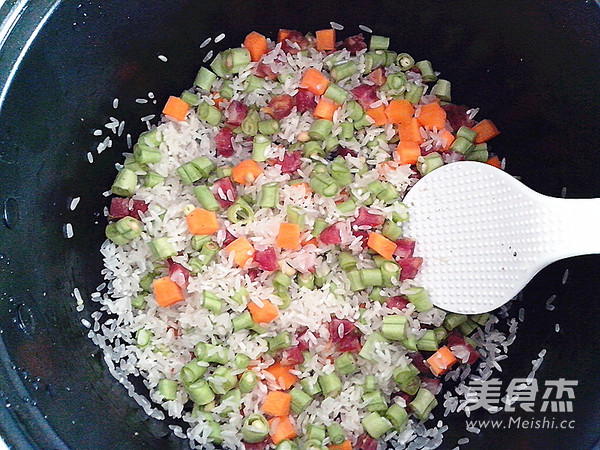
x=240 y=212
x=124 y=230
x=427 y=72
x=375 y=425
x=306 y=280
x=312 y=148
x=344 y=70
x=394 y=327
x=377 y=295
x=143 y=338
x=441 y=90
x=430 y=162
x=405 y=61
x=296 y=215
x=419 y=297
x=255 y=428
x=391 y=231
x=389 y=194
x=153 y=179
x=331 y=142
x=365 y=121
x=422 y=404
x=218 y=66
x=373 y=60
x=376 y=401
x=347 y=261
x=268 y=127
x=205 y=79
x=356 y=282
x=371 y=277
x=324 y=184
x=125 y=183
x=318 y=227
x=428 y=342
x=346 y=208
x=193 y=371
x=209 y=113
x=207 y=254
x=407 y=378
x=248 y=381
x=331 y=385
x=390 y=273
x=241 y=361
x=188 y=173
x=370 y=383
x=211 y=353
x=236 y=59
x=167 y=389
x=373 y=340
x=320 y=129
x=212 y=302
x=242 y=322
x=335 y=433
x=254 y=83
x=414 y=93
x=478 y=153
x=395 y=82
x=145 y=154
x=336 y=94
x=250 y=123
x=354 y=111
x=390 y=57
x=226 y=90
x=300 y=400
x=379 y=42
x=315 y=433
x=190 y=98
x=206 y=198
x=345 y=364
x=139 y=302
x=347 y=130
x=200 y=392
x=397 y=416
x=280 y=342
x=222 y=380
x=241 y=296
x=340 y=172
x=467 y=327
x=286 y=445
x=162 y=248
x=233 y=400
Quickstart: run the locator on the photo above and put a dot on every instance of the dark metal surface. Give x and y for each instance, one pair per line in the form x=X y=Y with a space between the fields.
x=531 y=66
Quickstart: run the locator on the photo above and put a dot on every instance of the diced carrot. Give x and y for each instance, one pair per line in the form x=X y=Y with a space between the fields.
x=432 y=115
x=378 y=115
x=246 y=172
x=242 y=249
x=495 y=161
x=381 y=245
x=283 y=35
x=277 y=403
x=326 y=40
x=218 y=100
x=408 y=152
x=485 y=131
x=263 y=314
x=281 y=429
x=346 y=445
x=314 y=81
x=288 y=236
x=399 y=111
x=256 y=44
x=176 y=108
x=410 y=131
x=305 y=188
x=441 y=361
x=449 y=137
x=282 y=374
x=201 y=221
x=312 y=241
x=325 y=109
x=166 y=291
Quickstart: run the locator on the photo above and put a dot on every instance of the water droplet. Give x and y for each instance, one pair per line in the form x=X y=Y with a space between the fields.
x=10 y=213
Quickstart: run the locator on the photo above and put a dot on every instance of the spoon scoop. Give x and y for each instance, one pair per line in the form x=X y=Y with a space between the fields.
x=483 y=235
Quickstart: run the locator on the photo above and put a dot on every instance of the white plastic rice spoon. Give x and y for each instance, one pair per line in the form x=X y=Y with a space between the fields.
x=483 y=235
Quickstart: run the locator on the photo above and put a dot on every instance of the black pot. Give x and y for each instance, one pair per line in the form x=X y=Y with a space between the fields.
x=532 y=67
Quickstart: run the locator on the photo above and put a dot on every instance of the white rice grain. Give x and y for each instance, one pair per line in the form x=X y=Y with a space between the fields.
x=365 y=28
x=205 y=42
x=219 y=38
x=68 y=230
x=163 y=58
x=74 y=202
x=208 y=56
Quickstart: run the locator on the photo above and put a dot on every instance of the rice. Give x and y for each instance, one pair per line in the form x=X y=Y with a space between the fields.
x=163 y=58
x=176 y=330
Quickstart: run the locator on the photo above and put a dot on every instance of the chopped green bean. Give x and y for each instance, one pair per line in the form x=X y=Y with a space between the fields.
x=268 y=127
x=211 y=353
x=414 y=93
x=254 y=83
x=315 y=433
x=222 y=380
x=422 y=404
x=226 y=90
x=398 y=416
x=306 y=280
x=405 y=61
x=236 y=59
x=318 y=227
x=442 y=90
x=250 y=123
x=167 y=389
x=391 y=231
x=356 y=282
x=354 y=111
x=248 y=381
x=375 y=425
x=280 y=342
x=394 y=327
x=209 y=113
x=320 y=129
x=376 y=401
x=428 y=342
x=200 y=392
x=145 y=154
x=240 y=212
x=312 y=148
x=153 y=179
x=379 y=42
x=255 y=428
x=300 y=400
x=419 y=297
x=430 y=162
x=347 y=261
x=143 y=338
x=337 y=94
x=212 y=302
x=206 y=198
x=192 y=371
x=324 y=184
x=345 y=364
x=335 y=433
x=331 y=385
x=205 y=79
x=162 y=248
x=373 y=341
x=139 y=302
x=269 y=195
x=125 y=183
x=370 y=383
x=340 y=172
x=344 y=70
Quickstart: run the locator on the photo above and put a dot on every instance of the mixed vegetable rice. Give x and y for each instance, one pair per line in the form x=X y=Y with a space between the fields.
x=258 y=279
